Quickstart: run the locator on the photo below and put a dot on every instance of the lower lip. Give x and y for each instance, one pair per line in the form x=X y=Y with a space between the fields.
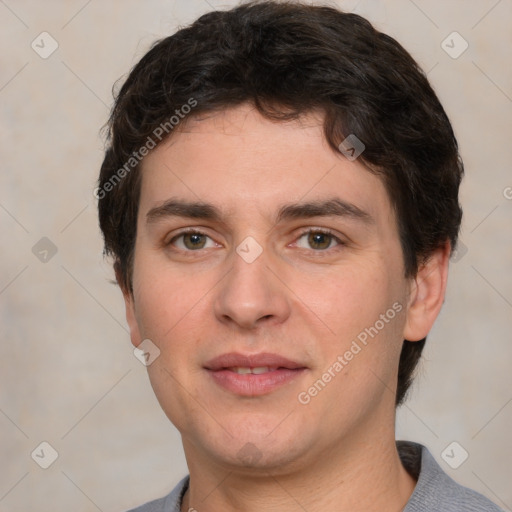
x=254 y=385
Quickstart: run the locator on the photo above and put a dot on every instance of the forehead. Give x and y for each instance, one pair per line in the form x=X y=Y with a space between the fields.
x=240 y=161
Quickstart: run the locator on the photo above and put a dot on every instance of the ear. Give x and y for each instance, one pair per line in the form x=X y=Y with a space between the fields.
x=427 y=294
x=131 y=317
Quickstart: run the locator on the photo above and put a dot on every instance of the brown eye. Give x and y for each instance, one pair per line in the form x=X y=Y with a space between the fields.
x=318 y=240
x=192 y=241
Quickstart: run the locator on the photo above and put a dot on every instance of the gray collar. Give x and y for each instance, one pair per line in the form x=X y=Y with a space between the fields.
x=435 y=491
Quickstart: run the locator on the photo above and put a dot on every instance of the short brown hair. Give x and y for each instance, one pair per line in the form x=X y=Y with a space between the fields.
x=288 y=59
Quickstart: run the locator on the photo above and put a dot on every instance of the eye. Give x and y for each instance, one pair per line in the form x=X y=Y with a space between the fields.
x=316 y=239
x=319 y=240
x=192 y=241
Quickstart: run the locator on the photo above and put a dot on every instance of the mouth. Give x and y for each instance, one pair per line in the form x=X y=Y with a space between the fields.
x=253 y=375
x=244 y=370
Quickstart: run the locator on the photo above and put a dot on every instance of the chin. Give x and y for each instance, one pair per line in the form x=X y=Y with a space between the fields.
x=271 y=448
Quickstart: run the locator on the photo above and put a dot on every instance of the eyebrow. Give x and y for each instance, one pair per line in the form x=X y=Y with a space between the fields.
x=334 y=207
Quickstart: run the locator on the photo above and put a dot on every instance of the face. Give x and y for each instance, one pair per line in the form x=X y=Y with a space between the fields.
x=268 y=272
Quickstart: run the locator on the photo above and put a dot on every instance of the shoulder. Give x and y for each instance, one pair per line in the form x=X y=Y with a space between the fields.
x=436 y=491
x=169 y=503
x=152 y=506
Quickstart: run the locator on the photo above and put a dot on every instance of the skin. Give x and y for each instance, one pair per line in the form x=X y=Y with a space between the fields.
x=337 y=452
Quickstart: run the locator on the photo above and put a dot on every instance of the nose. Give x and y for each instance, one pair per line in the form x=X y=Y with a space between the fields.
x=251 y=294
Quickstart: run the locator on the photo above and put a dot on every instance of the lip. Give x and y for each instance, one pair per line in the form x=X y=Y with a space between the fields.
x=252 y=361
x=283 y=371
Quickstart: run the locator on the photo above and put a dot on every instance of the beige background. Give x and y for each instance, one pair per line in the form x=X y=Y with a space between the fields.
x=68 y=374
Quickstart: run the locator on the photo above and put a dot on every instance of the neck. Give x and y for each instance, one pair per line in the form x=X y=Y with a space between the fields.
x=360 y=475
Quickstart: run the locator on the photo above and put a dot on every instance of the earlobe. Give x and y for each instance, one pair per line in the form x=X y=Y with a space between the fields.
x=131 y=317
x=427 y=294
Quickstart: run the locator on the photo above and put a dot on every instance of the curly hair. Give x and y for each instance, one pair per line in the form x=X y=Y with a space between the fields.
x=288 y=59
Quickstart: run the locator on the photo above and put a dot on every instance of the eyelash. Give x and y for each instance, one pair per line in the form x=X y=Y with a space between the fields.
x=322 y=231
x=320 y=252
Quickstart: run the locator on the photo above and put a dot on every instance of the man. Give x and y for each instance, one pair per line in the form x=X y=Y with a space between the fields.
x=280 y=197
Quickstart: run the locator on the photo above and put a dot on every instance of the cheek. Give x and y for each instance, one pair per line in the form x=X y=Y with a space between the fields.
x=171 y=313
x=364 y=307
x=165 y=297
x=154 y=311
x=349 y=298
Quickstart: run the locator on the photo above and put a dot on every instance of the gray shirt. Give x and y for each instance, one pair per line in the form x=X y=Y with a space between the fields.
x=435 y=491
